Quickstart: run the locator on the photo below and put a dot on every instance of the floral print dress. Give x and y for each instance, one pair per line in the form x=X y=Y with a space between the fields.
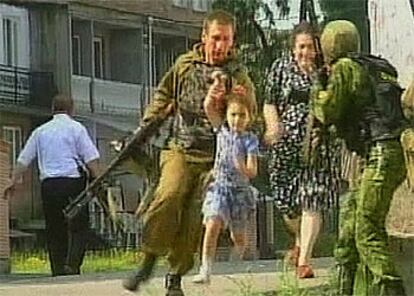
x=294 y=184
x=231 y=197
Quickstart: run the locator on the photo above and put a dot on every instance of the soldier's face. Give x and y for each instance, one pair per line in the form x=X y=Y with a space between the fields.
x=304 y=51
x=218 y=41
x=237 y=116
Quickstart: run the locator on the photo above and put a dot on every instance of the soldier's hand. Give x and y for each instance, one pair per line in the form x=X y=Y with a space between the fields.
x=239 y=90
x=140 y=210
x=217 y=90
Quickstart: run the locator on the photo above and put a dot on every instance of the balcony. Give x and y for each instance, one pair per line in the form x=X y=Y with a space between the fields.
x=14 y=85
x=109 y=97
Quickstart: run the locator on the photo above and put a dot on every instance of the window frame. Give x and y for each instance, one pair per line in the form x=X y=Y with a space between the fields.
x=200 y=5
x=99 y=40
x=181 y=3
x=76 y=41
x=10 y=30
x=14 y=151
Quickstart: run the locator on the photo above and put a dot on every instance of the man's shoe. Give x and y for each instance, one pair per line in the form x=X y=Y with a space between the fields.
x=304 y=272
x=68 y=270
x=132 y=282
x=173 y=285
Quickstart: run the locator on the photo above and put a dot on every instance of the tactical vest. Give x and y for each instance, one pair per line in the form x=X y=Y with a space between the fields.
x=191 y=128
x=382 y=118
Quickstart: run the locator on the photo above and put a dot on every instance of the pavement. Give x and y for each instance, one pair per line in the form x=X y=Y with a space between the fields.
x=262 y=277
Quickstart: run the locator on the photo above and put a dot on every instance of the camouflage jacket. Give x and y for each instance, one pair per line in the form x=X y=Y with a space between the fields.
x=186 y=85
x=344 y=101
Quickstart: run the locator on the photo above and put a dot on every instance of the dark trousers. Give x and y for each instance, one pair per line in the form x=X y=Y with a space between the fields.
x=66 y=240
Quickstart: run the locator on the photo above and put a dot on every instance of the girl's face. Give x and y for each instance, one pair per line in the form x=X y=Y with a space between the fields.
x=304 y=51
x=237 y=116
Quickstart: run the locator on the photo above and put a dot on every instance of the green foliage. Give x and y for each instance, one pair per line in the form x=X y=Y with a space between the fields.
x=95 y=261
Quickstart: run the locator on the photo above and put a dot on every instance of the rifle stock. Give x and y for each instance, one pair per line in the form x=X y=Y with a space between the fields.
x=321 y=77
x=140 y=136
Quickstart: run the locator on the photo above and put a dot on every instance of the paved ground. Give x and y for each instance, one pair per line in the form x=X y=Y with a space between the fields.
x=230 y=279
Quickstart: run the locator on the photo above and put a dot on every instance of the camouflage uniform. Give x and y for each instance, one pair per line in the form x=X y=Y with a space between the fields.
x=172 y=220
x=365 y=264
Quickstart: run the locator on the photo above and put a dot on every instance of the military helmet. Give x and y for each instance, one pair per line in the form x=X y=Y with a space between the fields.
x=338 y=39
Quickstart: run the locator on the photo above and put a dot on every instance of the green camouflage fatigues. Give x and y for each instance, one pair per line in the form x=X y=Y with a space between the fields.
x=172 y=220
x=365 y=264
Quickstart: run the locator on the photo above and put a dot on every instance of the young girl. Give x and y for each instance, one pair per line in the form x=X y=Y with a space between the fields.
x=230 y=199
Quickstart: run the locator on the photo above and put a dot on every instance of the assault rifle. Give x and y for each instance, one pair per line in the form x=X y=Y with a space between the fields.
x=321 y=77
x=140 y=136
x=307 y=11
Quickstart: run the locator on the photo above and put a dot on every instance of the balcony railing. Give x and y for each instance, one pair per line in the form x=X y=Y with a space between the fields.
x=14 y=84
x=109 y=97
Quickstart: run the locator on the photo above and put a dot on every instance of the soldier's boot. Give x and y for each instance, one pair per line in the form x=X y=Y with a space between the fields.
x=345 y=280
x=141 y=275
x=173 y=285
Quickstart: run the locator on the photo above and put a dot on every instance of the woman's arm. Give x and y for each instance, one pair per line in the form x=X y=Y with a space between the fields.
x=273 y=93
x=272 y=125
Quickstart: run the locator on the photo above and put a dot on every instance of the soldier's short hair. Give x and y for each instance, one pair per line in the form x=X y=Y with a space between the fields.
x=221 y=17
x=62 y=103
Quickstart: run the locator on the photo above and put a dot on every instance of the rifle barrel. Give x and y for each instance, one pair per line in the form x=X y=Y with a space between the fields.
x=140 y=136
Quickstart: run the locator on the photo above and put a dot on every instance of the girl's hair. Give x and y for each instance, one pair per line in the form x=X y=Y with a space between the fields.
x=302 y=28
x=243 y=100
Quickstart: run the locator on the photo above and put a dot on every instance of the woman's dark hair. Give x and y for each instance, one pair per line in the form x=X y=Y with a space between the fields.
x=302 y=28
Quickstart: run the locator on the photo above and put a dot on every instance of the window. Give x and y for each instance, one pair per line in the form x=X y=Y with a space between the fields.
x=76 y=55
x=10 y=41
x=98 y=47
x=200 y=5
x=13 y=136
x=181 y=3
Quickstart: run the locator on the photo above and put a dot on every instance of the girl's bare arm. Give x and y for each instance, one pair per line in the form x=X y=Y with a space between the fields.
x=247 y=166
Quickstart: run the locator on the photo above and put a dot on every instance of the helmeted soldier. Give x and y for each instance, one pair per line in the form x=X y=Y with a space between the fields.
x=352 y=102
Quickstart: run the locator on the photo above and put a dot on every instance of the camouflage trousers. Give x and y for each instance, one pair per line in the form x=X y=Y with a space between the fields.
x=365 y=264
x=172 y=221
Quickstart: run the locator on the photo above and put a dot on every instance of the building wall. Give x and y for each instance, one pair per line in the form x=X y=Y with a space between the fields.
x=4 y=210
x=20 y=16
x=28 y=203
x=392 y=34
x=50 y=44
x=126 y=56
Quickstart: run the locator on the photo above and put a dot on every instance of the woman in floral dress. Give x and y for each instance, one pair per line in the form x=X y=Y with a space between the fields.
x=299 y=189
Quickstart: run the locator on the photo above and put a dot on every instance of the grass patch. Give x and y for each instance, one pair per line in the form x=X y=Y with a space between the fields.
x=95 y=261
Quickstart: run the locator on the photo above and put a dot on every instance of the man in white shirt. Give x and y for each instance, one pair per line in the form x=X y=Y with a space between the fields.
x=61 y=146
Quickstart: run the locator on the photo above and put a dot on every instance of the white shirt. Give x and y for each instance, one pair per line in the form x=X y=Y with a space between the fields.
x=58 y=145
